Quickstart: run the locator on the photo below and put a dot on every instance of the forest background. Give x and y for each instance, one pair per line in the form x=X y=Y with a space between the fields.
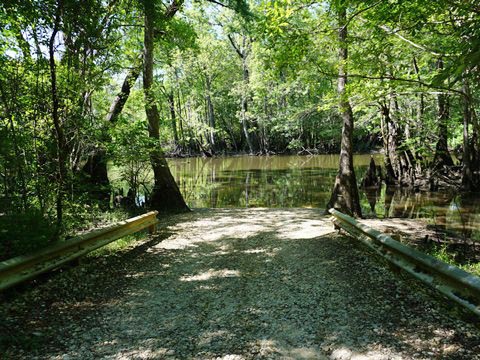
x=87 y=85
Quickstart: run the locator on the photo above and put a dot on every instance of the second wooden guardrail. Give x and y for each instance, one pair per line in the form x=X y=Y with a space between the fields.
x=21 y=268
x=453 y=282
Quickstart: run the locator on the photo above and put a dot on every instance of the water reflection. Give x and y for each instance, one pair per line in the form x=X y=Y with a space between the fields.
x=306 y=181
x=449 y=214
x=252 y=181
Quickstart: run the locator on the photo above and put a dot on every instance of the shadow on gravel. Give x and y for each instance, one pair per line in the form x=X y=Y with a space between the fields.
x=34 y=314
x=237 y=285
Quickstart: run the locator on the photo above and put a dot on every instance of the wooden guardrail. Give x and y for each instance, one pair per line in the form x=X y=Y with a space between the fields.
x=21 y=268
x=456 y=284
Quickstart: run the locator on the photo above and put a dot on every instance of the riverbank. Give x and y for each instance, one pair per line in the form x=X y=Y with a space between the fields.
x=235 y=284
x=175 y=154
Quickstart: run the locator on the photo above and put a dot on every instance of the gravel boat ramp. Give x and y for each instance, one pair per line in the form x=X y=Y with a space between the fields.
x=235 y=284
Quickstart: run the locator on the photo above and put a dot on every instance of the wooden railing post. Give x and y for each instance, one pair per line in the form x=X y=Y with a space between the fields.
x=152 y=230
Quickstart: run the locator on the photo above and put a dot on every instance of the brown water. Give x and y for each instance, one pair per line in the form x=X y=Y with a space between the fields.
x=306 y=181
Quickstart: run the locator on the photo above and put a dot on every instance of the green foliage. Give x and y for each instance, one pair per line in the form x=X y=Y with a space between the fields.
x=128 y=141
x=266 y=69
x=130 y=150
x=23 y=233
x=472 y=268
x=442 y=253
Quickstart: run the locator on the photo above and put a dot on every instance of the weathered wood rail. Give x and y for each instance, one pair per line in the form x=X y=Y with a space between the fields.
x=458 y=285
x=21 y=268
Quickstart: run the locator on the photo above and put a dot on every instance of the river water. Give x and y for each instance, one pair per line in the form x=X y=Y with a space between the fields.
x=306 y=181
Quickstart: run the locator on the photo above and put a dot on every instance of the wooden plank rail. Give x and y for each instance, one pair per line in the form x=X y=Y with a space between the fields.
x=21 y=268
x=456 y=284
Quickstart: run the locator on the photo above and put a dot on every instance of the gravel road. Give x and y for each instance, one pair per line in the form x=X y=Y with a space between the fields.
x=235 y=284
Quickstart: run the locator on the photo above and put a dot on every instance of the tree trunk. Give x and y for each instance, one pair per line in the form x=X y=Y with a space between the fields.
x=243 y=52
x=180 y=122
x=442 y=155
x=475 y=152
x=171 y=102
x=19 y=158
x=468 y=182
x=166 y=196
x=421 y=99
x=400 y=164
x=396 y=156
x=59 y=133
x=345 y=191
x=119 y=102
x=389 y=145
x=95 y=168
x=211 y=113
x=246 y=79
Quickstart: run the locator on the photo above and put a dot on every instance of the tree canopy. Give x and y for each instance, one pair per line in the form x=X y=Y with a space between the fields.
x=88 y=85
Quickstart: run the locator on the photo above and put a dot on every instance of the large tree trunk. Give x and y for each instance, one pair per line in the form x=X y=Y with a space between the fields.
x=395 y=159
x=400 y=164
x=96 y=167
x=166 y=196
x=345 y=191
x=421 y=97
x=475 y=141
x=442 y=155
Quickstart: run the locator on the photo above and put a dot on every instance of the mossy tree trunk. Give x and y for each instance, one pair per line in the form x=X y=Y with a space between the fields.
x=166 y=196
x=345 y=191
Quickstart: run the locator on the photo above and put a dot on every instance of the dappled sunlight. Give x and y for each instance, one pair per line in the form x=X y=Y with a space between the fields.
x=174 y=242
x=244 y=284
x=264 y=252
x=229 y=357
x=344 y=353
x=244 y=223
x=206 y=287
x=303 y=353
x=306 y=229
x=223 y=250
x=136 y=275
x=255 y=251
x=209 y=336
x=440 y=339
x=148 y=353
x=412 y=228
x=211 y=274
x=266 y=347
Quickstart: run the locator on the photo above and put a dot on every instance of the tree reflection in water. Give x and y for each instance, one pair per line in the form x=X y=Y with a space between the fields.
x=306 y=181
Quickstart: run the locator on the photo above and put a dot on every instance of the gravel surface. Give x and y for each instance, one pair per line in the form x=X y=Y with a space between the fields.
x=235 y=284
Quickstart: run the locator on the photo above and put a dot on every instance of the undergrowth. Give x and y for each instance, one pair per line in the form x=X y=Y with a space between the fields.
x=27 y=232
x=442 y=253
